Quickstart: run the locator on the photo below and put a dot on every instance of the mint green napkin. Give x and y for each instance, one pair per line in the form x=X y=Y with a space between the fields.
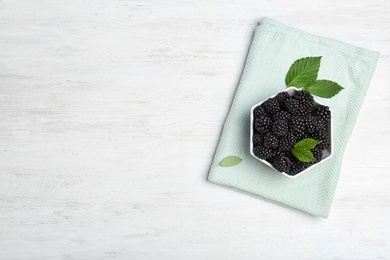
x=274 y=48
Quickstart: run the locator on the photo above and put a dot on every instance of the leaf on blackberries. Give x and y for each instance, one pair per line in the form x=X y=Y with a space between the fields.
x=307 y=143
x=303 y=154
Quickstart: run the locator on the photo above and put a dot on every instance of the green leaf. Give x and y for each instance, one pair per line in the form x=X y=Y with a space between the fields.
x=303 y=154
x=230 y=161
x=303 y=72
x=302 y=149
x=307 y=143
x=324 y=88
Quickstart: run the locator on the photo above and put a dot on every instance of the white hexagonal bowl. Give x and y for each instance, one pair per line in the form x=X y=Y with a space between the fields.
x=327 y=153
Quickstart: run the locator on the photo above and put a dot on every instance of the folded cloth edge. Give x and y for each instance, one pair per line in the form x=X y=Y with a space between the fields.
x=267 y=23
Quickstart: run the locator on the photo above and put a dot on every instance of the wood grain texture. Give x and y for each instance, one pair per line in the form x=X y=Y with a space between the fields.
x=110 y=115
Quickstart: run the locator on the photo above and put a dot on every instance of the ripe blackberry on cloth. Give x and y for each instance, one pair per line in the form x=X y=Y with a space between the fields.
x=296 y=167
x=262 y=124
x=286 y=143
x=314 y=124
x=280 y=127
x=282 y=162
x=259 y=111
x=297 y=123
x=258 y=139
x=270 y=141
x=323 y=137
x=292 y=106
x=322 y=112
x=317 y=153
x=263 y=153
x=282 y=97
x=281 y=115
x=271 y=106
x=305 y=98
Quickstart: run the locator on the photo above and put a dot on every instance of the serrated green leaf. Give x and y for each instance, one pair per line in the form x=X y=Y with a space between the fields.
x=303 y=154
x=307 y=143
x=303 y=72
x=230 y=161
x=324 y=88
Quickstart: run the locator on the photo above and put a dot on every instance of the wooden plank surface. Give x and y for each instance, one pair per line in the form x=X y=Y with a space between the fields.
x=110 y=114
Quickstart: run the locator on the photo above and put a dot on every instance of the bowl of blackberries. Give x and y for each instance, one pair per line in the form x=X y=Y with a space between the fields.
x=291 y=132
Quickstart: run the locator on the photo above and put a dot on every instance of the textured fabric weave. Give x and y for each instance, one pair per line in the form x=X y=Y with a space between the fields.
x=274 y=48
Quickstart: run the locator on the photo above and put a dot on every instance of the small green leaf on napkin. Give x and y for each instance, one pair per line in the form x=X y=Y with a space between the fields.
x=230 y=161
x=324 y=88
x=302 y=152
x=303 y=72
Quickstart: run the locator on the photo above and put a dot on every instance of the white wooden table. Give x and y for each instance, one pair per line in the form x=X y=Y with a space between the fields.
x=110 y=115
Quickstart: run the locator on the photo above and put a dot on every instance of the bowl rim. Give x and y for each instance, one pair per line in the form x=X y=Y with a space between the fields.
x=329 y=148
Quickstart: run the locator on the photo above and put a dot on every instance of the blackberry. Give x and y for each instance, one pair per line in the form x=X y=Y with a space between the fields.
x=259 y=111
x=280 y=127
x=257 y=139
x=293 y=106
x=270 y=141
x=317 y=153
x=271 y=160
x=282 y=115
x=322 y=112
x=302 y=111
x=297 y=123
x=287 y=142
x=314 y=124
x=262 y=124
x=300 y=134
x=282 y=162
x=305 y=98
x=271 y=106
x=263 y=153
x=311 y=126
x=323 y=137
x=282 y=97
x=296 y=167
x=321 y=124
